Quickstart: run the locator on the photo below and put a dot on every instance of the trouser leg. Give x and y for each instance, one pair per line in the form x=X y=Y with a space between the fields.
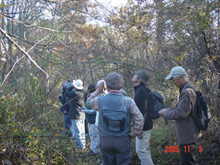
x=67 y=122
x=116 y=150
x=187 y=154
x=94 y=137
x=78 y=131
x=143 y=148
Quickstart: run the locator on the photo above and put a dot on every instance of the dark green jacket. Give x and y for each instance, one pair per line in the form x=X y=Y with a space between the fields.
x=76 y=101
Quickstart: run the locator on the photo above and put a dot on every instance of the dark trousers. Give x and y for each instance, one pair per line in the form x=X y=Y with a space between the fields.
x=67 y=122
x=187 y=154
x=116 y=150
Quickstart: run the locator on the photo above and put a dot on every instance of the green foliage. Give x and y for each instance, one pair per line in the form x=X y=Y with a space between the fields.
x=1 y=5
x=141 y=35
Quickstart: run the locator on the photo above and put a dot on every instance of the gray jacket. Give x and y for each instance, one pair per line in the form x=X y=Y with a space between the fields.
x=186 y=130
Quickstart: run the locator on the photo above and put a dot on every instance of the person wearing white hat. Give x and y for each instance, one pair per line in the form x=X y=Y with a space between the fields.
x=186 y=130
x=76 y=95
x=78 y=84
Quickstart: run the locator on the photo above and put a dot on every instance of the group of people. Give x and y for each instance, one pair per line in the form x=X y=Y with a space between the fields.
x=110 y=114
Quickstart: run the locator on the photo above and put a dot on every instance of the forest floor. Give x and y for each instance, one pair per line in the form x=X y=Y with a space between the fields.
x=46 y=143
x=163 y=152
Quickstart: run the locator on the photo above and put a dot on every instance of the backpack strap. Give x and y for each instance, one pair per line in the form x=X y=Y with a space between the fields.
x=150 y=94
x=196 y=98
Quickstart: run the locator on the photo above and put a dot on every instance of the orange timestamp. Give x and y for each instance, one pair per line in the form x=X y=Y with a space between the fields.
x=169 y=149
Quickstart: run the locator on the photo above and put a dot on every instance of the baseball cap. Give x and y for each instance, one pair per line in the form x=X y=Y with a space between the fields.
x=177 y=70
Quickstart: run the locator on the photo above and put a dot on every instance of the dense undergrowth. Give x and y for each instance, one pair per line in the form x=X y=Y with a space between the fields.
x=32 y=132
x=45 y=142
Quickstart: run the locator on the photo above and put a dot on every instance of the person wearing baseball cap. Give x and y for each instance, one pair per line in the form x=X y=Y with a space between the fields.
x=115 y=114
x=186 y=130
x=176 y=72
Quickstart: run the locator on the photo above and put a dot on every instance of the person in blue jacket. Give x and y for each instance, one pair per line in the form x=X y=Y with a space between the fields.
x=65 y=107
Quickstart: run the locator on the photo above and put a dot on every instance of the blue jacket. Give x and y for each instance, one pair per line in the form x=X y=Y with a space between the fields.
x=64 y=101
x=90 y=116
x=90 y=113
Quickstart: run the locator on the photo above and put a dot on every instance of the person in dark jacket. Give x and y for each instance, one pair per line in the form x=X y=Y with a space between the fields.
x=186 y=131
x=65 y=109
x=91 y=118
x=76 y=95
x=143 y=101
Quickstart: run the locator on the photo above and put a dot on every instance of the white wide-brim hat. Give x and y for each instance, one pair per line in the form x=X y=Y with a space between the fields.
x=78 y=84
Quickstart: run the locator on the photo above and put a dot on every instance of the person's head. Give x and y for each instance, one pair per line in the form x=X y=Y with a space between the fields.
x=140 y=76
x=99 y=83
x=178 y=75
x=65 y=85
x=90 y=88
x=114 y=81
x=78 y=84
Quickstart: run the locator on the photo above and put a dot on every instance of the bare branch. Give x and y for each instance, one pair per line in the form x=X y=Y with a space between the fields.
x=22 y=58
x=11 y=70
x=23 y=51
x=32 y=25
